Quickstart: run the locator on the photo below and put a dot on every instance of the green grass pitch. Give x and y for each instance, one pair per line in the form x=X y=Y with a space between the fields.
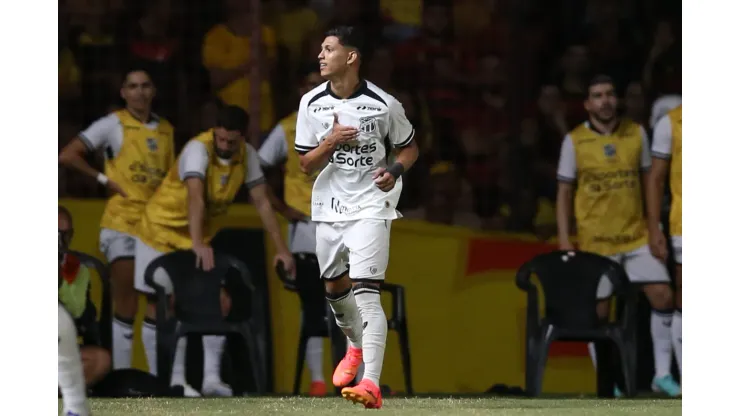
x=391 y=406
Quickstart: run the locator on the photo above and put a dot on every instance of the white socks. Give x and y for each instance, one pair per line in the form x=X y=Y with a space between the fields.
x=213 y=347
x=149 y=338
x=375 y=330
x=676 y=338
x=347 y=316
x=71 y=379
x=315 y=358
x=123 y=335
x=660 y=329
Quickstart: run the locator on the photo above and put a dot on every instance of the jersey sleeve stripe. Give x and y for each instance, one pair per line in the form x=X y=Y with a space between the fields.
x=661 y=155
x=193 y=175
x=86 y=141
x=565 y=179
x=258 y=181
x=408 y=139
x=304 y=149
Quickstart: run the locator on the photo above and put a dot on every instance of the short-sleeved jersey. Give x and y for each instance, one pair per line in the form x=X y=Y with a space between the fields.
x=298 y=185
x=667 y=144
x=137 y=158
x=607 y=171
x=345 y=189
x=164 y=225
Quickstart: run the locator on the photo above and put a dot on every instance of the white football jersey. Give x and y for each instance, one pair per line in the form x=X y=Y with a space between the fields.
x=345 y=189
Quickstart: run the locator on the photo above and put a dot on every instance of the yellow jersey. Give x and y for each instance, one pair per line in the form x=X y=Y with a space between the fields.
x=298 y=185
x=667 y=143
x=164 y=225
x=607 y=169
x=138 y=156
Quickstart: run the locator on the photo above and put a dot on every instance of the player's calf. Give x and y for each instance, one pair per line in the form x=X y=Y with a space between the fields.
x=375 y=329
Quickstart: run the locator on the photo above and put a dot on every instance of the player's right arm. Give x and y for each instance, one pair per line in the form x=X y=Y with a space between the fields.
x=315 y=154
x=192 y=169
x=564 y=202
x=662 y=143
x=96 y=137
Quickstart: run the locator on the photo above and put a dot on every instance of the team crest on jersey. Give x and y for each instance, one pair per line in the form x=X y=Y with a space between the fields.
x=224 y=179
x=610 y=150
x=368 y=124
x=151 y=143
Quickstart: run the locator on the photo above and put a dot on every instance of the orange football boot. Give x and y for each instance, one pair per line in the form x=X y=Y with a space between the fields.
x=347 y=368
x=318 y=389
x=366 y=392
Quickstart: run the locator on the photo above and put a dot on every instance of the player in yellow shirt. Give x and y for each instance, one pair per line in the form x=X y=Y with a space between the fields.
x=184 y=214
x=604 y=162
x=139 y=149
x=667 y=144
x=276 y=150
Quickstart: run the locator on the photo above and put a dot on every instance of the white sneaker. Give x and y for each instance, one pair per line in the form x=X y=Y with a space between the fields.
x=187 y=390
x=81 y=412
x=216 y=388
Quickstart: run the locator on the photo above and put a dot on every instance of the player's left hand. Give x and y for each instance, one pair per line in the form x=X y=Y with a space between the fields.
x=384 y=180
x=288 y=262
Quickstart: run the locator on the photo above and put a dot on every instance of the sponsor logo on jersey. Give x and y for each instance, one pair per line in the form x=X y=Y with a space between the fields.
x=610 y=150
x=368 y=124
x=151 y=143
x=368 y=108
x=319 y=109
x=354 y=154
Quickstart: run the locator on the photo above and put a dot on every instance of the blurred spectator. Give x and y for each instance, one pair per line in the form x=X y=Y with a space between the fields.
x=635 y=106
x=294 y=22
x=363 y=15
x=474 y=20
x=442 y=199
x=153 y=40
x=402 y=17
x=662 y=71
x=227 y=56
x=552 y=114
x=573 y=78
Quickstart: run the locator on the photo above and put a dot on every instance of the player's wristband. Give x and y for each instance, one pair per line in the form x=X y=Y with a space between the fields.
x=102 y=179
x=396 y=170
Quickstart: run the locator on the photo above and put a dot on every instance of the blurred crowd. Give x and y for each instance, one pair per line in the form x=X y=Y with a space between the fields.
x=492 y=86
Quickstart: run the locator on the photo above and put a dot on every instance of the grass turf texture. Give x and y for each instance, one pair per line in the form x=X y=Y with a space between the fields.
x=392 y=406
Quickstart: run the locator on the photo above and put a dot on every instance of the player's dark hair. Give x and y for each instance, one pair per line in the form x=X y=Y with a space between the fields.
x=598 y=80
x=348 y=36
x=233 y=118
x=136 y=67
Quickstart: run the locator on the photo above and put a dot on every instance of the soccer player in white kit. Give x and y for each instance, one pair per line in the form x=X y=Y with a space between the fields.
x=348 y=127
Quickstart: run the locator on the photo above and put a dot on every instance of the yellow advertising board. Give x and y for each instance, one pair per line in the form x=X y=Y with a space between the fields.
x=465 y=314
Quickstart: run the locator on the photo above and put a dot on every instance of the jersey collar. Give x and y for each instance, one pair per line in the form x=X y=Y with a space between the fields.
x=362 y=87
x=602 y=133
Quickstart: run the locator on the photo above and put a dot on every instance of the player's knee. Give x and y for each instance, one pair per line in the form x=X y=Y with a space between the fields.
x=339 y=285
x=225 y=300
x=660 y=296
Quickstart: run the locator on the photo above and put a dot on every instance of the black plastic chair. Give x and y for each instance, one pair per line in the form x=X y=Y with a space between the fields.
x=569 y=282
x=397 y=322
x=198 y=310
x=105 y=320
x=308 y=329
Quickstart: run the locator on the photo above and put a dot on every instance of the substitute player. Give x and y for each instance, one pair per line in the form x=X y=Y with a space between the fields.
x=354 y=125
x=301 y=231
x=139 y=149
x=71 y=379
x=606 y=160
x=667 y=143
x=184 y=214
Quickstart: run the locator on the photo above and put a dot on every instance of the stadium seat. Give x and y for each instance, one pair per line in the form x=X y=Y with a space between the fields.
x=104 y=320
x=198 y=310
x=308 y=329
x=569 y=282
